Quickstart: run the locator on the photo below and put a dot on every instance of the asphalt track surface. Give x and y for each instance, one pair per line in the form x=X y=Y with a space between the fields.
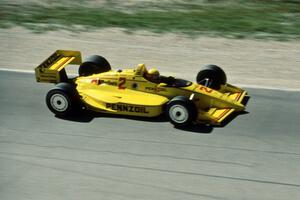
x=255 y=156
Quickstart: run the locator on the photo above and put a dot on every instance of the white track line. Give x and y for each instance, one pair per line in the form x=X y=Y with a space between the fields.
x=17 y=70
x=268 y=88
x=240 y=85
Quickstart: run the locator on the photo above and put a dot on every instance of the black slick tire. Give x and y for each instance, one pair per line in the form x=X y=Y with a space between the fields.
x=93 y=65
x=214 y=74
x=181 y=111
x=63 y=100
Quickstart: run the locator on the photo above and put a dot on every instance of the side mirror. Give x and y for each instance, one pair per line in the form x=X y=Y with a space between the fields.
x=162 y=85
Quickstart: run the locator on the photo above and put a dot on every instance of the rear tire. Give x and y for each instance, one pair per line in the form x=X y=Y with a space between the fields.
x=181 y=111
x=62 y=100
x=94 y=65
x=214 y=74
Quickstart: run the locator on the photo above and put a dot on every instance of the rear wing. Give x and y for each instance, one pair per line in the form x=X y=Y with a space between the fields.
x=52 y=70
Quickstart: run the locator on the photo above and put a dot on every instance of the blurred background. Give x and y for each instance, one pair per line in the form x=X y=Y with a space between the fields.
x=255 y=41
x=278 y=19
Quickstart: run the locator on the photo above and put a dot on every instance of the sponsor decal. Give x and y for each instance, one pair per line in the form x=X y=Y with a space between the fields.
x=95 y=81
x=110 y=83
x=54 y=57
x=155 y=89
x=126 y=108
x=98 y=82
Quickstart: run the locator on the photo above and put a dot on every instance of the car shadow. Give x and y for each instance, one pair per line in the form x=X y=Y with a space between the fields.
x=197 y=128
x=88 y=116
x=83 y=117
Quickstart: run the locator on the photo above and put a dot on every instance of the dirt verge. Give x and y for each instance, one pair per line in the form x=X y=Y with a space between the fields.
x=247 y=62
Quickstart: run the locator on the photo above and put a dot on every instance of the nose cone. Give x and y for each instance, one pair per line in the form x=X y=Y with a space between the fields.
x=239 y=107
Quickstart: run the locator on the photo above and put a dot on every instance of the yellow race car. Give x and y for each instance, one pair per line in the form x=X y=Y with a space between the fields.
x=138 y=91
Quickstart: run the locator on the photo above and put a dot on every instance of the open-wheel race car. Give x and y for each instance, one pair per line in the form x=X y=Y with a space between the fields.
x=138 y=91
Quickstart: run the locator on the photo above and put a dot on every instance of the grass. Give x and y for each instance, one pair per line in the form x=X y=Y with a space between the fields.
x=271 y=19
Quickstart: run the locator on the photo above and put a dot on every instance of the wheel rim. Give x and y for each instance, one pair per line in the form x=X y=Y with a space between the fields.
x=178 y=114
x=59 y=102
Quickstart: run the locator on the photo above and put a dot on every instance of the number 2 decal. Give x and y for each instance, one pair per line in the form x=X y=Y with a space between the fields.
x=122 y=82
x=205 y=89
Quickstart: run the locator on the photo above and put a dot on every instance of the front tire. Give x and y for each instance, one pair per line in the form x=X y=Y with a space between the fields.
x=181 y=111
x=62 y=100
x=211 y=76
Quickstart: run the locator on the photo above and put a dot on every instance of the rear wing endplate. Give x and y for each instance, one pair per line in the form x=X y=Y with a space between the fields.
x=52 y=70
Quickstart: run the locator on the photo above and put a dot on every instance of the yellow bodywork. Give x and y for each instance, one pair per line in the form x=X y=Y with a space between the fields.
x=127 y=92
x=107 y=98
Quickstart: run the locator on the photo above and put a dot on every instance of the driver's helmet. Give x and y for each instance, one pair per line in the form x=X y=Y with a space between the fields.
x=152 y=74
